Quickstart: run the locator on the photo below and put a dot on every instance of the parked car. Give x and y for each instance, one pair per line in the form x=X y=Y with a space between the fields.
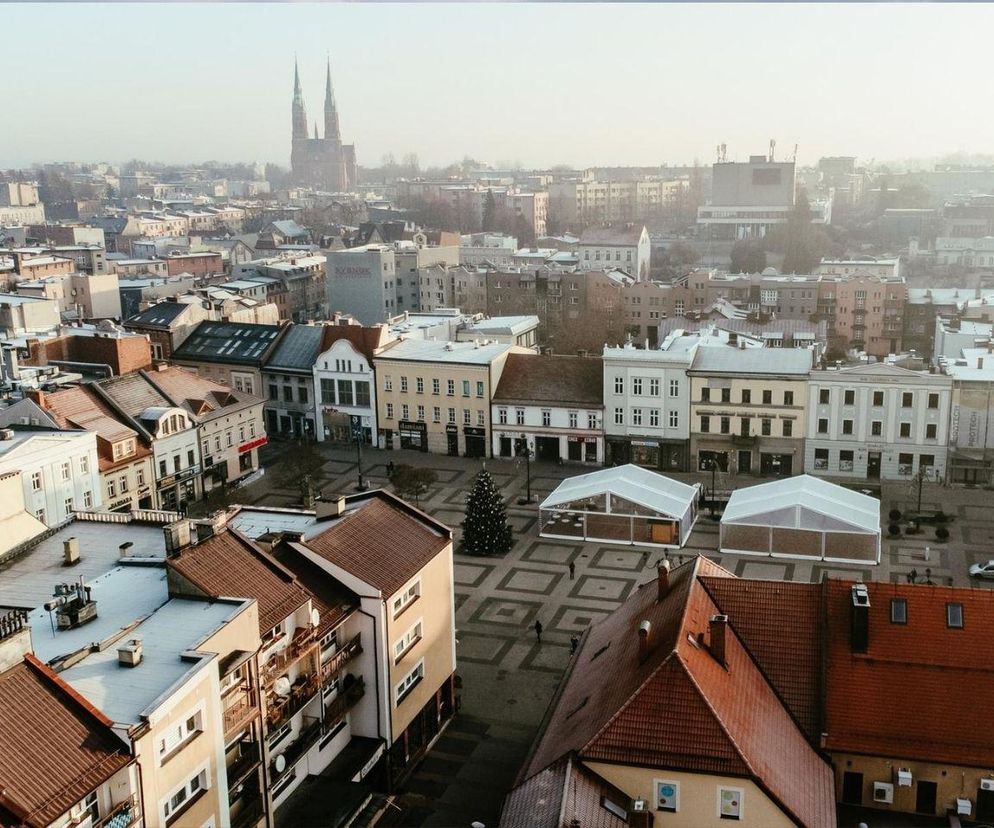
x=982 y=570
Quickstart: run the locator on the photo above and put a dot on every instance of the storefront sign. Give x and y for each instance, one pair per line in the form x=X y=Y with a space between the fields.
x=371 y=763
x=649 y=443
x=451 y=429
x=251 y=444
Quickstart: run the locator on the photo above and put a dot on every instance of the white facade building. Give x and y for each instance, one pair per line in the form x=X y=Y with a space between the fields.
x=59 y=471
x=344 y=388
x=625 y=248
x=647 y=406
x=874 y=422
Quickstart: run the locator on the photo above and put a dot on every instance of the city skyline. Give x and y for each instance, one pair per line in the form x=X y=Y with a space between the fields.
x=645 y=84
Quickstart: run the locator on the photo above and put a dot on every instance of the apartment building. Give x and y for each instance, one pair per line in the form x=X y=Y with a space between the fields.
x=59 y=471
x=229 y=424
x=288 y=378
x=488 y=249
x=363 y=281
x=167 y=324
x=167 y=427
x=436 y=396
x=296 y=284
x=344 y=385
x=865 y=313
x=124 y=457
x=971 y=440
x=647 y=405
x=748 y=409
x=230 y=353
x=624 y=248
x=553 y=406
x=873 y=422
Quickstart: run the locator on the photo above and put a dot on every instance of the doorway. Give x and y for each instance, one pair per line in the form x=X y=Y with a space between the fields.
x=852 y=788
x=505 y=446
x=452 y=440
x=925 y=797
x=873 y=465
x=547 y=448
x=745 y=462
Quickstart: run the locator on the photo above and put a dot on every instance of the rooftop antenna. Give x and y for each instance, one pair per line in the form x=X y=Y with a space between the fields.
x=794 y=159
x=773 y=146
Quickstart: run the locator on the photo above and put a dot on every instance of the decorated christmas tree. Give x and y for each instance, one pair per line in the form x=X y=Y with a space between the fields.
x=485 y=530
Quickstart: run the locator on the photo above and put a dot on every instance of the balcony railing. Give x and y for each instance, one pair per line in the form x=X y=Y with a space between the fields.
x=280 y=709
x=342 y=657
x=248 y=815
x=298 y=648
x=239 y=713
x=344 y=701
x=242 y=767
x=122 y=815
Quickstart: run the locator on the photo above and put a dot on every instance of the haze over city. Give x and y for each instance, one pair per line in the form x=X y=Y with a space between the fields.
x=535 y=84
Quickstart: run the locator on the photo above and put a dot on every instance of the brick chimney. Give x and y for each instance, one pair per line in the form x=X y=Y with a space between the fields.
x=662 y=579
x=36 y=395
x=644 y=629
x=719 y=628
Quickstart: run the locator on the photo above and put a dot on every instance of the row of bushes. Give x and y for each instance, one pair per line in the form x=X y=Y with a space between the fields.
x=939 y=517
x=941 y=533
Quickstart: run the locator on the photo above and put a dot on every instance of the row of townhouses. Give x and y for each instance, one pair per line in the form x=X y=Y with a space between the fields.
x=157 y=671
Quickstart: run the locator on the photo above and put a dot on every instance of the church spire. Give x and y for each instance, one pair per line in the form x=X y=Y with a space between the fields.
x=315 y=130
x=299 y=115
x=331 y=129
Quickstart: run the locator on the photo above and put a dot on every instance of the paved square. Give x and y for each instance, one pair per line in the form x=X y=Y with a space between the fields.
x=508 y=612
x=481 y=649
x=529 y=580
x=467 y=574
x=549 y=552
x=626 y=559
x=602 y=588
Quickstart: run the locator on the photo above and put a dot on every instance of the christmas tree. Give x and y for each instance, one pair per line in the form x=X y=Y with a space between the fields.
x=485 y=530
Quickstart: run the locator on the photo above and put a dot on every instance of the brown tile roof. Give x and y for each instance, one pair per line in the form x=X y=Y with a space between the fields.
x=332 y=599
x=54 y=747
x=789 y=650
x=80 y=407
x=383 y=542
x=679 y=708
x=228 y=565
x=366 y=339
x=203 y=398
x=558 y=380
x=921 y=690
x=562 y=795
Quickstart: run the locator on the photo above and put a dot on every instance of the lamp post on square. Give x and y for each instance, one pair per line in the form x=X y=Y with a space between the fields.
x=355 y=421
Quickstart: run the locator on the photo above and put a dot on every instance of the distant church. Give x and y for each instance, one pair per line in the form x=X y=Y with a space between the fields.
x=321 y=163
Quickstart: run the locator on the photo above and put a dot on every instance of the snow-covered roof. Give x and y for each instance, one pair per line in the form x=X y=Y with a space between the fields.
x=633 y=483
x=804 y=502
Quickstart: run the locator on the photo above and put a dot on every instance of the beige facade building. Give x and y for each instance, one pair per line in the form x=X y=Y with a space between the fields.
x=435 y=396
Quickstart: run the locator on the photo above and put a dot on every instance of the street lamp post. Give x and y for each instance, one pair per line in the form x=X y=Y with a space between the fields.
x=714 y=467
x=356 y=422
x=528 y=472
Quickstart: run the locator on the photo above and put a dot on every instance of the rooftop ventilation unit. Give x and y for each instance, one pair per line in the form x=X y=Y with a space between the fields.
x=72 y=605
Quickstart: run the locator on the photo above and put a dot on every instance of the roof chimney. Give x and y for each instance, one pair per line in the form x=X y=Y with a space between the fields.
x=130 y=653
x=663 y=579
x=327 y=509
x=644 y=629
x=860 y=631
x=719 y=626
x=70 y=551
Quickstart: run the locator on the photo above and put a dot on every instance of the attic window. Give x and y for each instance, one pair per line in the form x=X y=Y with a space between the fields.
x=898 y=611
x=954 y=616
x=600 y=651
x=578 y=708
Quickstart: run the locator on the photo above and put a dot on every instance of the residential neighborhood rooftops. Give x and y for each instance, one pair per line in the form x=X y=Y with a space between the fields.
x=204 y=399
x=540 y=380
x=54 y=747
x=161 y=315
x=297 y=350
x=426 y=350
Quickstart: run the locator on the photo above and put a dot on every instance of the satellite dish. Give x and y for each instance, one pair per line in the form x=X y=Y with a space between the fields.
x=282 y=686
x=315 y=617
x=280 y=763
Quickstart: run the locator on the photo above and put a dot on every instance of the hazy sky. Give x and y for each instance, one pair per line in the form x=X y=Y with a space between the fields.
x=537 y=83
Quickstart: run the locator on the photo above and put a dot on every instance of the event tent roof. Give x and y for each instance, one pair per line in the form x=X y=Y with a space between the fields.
x=641 y=486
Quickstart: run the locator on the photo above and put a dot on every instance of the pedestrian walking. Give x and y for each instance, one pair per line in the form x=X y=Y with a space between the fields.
x=572 y=570
x=574 y=642
x=390 y=469
x=538 y=630
x=913 y=576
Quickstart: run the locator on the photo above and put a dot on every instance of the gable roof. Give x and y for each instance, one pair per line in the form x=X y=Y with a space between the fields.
x=612 y=235
x=201 y=397
x=382 y=541
x=951 y=671
x=803 y=501
x=227 y=565
x=679 y=708
x=54 y=747
x=551 y=379
x=27 y=409
x=366 y=339
x=240 y=343
x=297 y=349
x=631 y=482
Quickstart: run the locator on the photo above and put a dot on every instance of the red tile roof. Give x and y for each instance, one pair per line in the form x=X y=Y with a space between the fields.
x=54 y=747
x=229 y=566
x=383 y=542
x=557 y=380
x=921 y=690
x=366 y=339
x=679 y=708
x=788 y=651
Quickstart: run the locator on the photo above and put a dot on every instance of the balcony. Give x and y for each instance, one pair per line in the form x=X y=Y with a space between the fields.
x=341 y=658
x=344 y=701
x=240 y=769
x=300 y=647
x=280 y=709
x=239 y=712
x=121 y=815
x=248 y=815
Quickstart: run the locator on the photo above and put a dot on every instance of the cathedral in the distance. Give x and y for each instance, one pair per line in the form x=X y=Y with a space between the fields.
x=321 y=163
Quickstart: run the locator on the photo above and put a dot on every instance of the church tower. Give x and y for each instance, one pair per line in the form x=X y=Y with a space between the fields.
x=332 y=132
x=299 y=113
x=321 y=163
